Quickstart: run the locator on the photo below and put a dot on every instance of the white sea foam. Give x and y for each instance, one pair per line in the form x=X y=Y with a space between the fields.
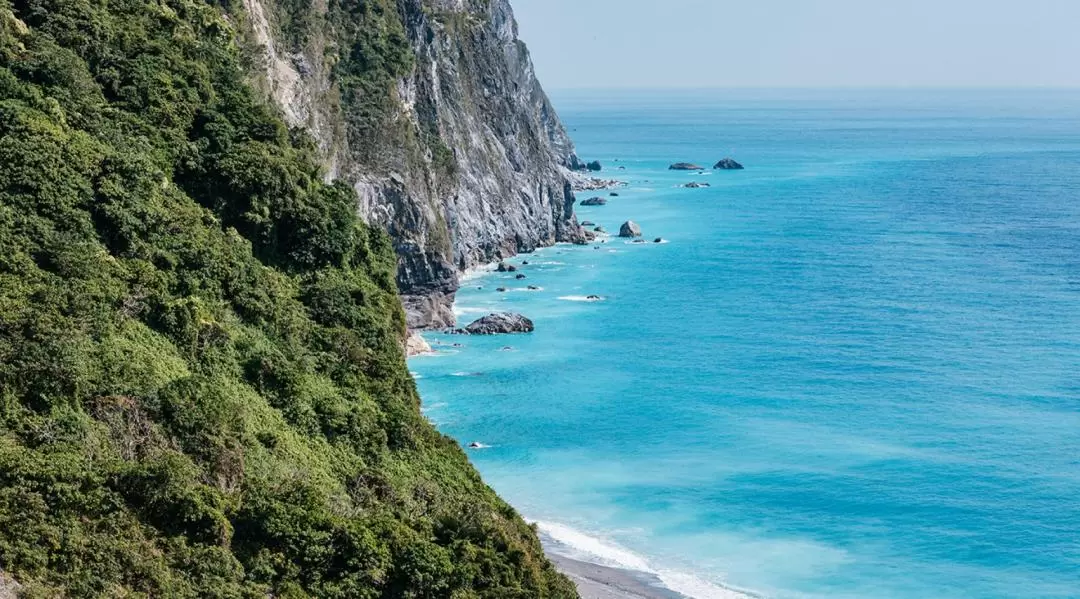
x=581 y=298
x=462 y=310
x=605 y=553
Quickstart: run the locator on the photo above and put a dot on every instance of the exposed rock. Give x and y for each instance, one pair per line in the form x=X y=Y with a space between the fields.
x=533 y=288
x=524 y=262
x=613 y=194
x=598 y=201
x=475 y=445
x=498 y=324
x=9 y=588
x=416 y=345
x=520 y=277
x=658 y=240
x=469 y=164
x=504 y=267
x=696 y=185
x=501 y=289
x=630 y=229
x=588 y=223
x=594 y=166
x=580 y=182
x=600 y=230
x=640 y=241
x=728 y=164
x=685 y=166
x=594 y=298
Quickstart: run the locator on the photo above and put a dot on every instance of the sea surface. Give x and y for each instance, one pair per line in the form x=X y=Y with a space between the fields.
x=851 y=370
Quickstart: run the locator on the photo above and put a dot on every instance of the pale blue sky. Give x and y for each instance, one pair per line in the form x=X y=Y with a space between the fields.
x=802 y=43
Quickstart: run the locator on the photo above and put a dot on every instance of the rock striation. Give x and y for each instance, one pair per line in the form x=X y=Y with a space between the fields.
x=457 y=152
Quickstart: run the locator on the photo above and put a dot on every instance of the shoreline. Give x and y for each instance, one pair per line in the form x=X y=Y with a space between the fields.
x=594 y=581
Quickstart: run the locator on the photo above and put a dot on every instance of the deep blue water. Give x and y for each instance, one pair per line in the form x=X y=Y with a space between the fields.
x=854 y=370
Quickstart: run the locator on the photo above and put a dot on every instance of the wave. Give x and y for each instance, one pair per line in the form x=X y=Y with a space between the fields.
x=581 y=298
x=598 y=551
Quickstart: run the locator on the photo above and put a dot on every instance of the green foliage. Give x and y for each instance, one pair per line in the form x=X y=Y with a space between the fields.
x=202 y=391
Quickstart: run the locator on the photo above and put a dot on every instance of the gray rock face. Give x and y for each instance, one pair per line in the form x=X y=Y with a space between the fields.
x=499 y=324
x=629 y=229
x=728 y=164
x=471 y=163
x=685 y=166
x=594 y=202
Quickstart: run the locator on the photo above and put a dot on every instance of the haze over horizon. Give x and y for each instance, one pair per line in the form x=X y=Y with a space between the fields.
x=811 y=44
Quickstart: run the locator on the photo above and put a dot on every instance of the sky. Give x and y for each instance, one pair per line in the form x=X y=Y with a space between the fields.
x=802 y=43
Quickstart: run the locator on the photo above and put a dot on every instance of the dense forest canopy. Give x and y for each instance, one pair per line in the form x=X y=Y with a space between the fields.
x=202 y=389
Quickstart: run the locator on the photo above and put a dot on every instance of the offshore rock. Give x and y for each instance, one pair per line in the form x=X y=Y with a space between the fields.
x=685 y=166
x=499 y=324
x=594 y=202
x=630 y=229
x=728 y=164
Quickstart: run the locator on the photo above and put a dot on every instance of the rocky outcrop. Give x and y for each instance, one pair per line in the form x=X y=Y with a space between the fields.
x=728 y=164
x=415 y=345
x=630 y=229
x=449 y=140
x=594 y=202
x=685 y=166
x=594 y=166
x=499 y=324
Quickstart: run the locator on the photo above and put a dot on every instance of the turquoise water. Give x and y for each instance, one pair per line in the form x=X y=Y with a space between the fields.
x=853 y=371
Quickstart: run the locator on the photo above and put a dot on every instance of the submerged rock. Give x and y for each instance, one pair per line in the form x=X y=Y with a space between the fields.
x=501 y=290
x=594 y=202
x=696 y=185
x=630 y=229
x=728 y=164
x=685 y=166
x=499 y=324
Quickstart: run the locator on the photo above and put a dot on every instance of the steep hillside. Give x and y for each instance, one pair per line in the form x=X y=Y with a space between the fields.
x=437 y=121
x=202 y=389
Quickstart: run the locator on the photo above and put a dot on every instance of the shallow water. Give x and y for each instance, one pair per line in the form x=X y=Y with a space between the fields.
x=853 y=371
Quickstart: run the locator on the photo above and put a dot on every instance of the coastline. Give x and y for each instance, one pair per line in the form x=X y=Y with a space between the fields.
x=594 y=581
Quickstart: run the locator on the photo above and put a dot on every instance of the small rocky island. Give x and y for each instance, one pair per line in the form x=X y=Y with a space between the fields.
x=499 y=324
x=728 y=164
x=630 y=229
x=597 y=201
x=685 y=166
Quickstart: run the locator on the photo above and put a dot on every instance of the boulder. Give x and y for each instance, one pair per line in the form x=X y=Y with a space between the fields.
x=658 y=240
x=613 y=194
x=594 y=166
x=504 y=267
x=524 y=262
x=594 y=202
x=499 y=324
x=520 y=277
x=630 y=229
x=685 y=166
x=728 y=164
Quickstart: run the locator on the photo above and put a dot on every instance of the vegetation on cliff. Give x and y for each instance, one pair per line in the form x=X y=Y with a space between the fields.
x=202 y=389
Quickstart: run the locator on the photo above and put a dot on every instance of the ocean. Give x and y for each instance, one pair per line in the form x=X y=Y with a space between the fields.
x=851 y=370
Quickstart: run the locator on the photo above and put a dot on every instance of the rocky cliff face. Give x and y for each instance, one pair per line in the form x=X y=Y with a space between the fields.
x=438 y=122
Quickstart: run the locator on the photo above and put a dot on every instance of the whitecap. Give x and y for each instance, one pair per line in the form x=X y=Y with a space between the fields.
x=581 y=298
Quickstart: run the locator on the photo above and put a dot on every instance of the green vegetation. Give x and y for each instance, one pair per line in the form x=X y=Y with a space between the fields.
x=202 y=392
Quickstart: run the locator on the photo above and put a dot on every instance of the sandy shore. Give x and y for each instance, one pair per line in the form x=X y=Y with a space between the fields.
x=600 y=582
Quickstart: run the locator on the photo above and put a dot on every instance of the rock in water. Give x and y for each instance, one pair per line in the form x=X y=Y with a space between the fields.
x=594 y=166
x=629 y=229
x=696 y=185
x=685 y=166
x=499 y=324
x=728 y=164
x=504 y=267
x=594 y=202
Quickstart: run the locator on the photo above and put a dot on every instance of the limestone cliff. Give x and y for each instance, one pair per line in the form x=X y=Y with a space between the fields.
x=438 y=122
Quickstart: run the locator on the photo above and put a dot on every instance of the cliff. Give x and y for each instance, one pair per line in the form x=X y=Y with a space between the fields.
x=202 y=385
x=439 y=124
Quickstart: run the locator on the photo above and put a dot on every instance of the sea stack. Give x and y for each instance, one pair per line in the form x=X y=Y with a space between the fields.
x=630 y=229
x=728 y=164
